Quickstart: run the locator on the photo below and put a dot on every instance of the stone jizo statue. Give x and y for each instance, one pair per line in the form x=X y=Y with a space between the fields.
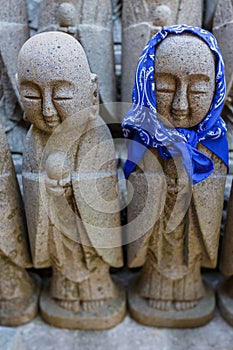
x=67 y=172
x=177 y=166
x=18 y=291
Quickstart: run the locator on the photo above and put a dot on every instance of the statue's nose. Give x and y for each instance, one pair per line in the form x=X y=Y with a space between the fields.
x=180 y=101
x=49 y=109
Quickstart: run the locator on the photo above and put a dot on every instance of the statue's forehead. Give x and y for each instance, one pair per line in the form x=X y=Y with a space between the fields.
x=186 y=53
x=59 y=50
x=183 y=43
x=44 y=58
x=52 y=46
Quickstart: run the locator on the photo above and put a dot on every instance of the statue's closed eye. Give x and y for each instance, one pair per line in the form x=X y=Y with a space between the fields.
x=198 y=84
x=165 y=83
x=31 y=97
x=30 y=92
x=62 y=98
x=198 y=89
x=63 y=92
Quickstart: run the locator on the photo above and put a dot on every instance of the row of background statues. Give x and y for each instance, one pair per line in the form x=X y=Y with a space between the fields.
x=91 y=23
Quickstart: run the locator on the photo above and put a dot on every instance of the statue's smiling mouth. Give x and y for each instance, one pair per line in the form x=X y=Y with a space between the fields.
x=179 y=115
x=52 y=121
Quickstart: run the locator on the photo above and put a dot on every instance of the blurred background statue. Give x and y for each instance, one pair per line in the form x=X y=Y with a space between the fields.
x=18 y=292
x=223 y=30
x=13 y=33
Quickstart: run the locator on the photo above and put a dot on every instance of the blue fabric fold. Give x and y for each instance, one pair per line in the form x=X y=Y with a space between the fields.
x=143 y=127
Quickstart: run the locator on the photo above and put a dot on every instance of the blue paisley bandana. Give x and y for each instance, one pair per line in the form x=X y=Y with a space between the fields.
x=143 y=128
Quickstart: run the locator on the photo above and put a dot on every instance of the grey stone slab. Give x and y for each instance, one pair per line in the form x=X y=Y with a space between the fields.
x=10 y=339
x=128 y=335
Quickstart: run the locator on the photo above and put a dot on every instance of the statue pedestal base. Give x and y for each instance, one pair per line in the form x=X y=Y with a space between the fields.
x=225 y=300
x=201 y=314
x=19 y=311
x=112 y=313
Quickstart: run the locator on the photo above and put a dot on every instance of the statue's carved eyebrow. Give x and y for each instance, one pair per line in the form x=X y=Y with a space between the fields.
x=164 y=75
x=200 y=76
x=29 y=83
x=196 y=76
x=51 y=82
x=62 y=82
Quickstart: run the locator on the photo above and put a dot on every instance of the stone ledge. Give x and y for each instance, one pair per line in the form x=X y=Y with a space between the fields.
x=128 y=335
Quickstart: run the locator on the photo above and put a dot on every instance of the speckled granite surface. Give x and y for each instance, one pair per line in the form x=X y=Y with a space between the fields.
x=128 y=335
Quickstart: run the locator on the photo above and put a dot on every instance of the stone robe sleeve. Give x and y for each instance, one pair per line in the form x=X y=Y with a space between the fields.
x=149 y=185
x=13 y=237
x=208 y=197
x=36 y=214
x=94 y=184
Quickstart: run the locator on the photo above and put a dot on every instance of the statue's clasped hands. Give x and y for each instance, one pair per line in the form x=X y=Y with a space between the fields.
x=58 y=176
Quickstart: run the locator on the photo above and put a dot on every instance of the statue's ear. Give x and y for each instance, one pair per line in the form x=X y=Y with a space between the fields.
x=17 y=80
x=95 y=90
x=95 y=95
x=18 y=93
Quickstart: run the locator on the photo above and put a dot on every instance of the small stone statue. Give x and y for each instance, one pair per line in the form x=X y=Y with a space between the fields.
x=225 y=288
x=90 y=21
x=66 y=18
x=70 y=147
x=223 y=31
x=177 y=167
x=18 y=292
x=13 y=33
x=144 y=18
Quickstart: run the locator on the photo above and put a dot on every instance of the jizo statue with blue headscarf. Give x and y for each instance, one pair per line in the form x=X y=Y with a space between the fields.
x=177 y=164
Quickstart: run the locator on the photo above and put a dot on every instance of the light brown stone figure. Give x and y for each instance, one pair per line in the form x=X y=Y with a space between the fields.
x=223 y=31
x=13 y=33
x=184 y=234
x=18 y=292
x=67 y=227
x=90 y=21
x=144 y=18
x=225 y=289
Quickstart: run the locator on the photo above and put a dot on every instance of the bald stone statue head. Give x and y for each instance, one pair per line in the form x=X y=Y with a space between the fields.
x=54 y=79
x=185 y=80
x=66 y=14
